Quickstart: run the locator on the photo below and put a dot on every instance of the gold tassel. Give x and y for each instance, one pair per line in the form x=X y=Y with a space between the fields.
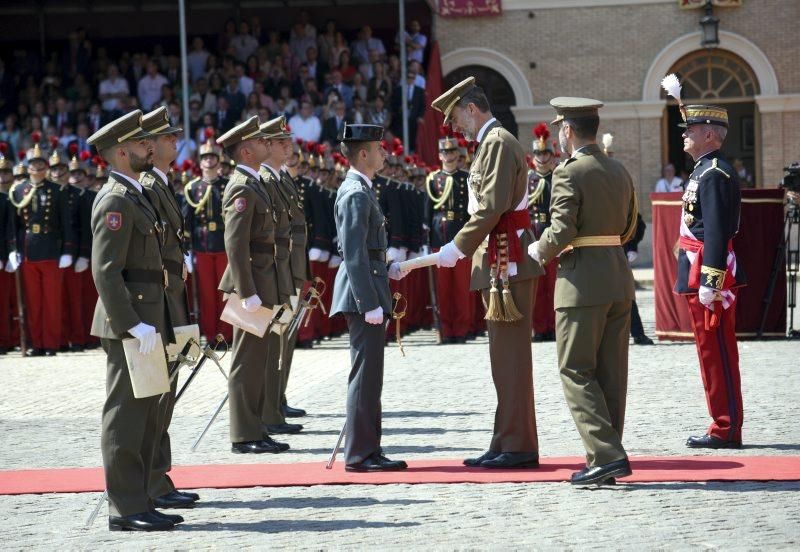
x=512 y=313
x=494 y=311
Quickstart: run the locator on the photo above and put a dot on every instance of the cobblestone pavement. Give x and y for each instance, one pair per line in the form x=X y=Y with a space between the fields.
x=438 y=403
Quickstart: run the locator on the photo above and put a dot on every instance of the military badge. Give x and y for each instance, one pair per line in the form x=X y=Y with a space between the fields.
x=113 y=221
x=240 y=204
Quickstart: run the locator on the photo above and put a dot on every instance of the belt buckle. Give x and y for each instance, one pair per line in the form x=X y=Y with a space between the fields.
x=212 y=226
x=36 y=228
x=451 y=215
x=542 y=217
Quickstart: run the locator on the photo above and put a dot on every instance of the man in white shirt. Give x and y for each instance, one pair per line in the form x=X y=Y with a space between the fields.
x=112 y=90
x=305 y=125
x=244 y=44
x=150 y=87
x=669 y=182
x=415 y=42
x=196 y=59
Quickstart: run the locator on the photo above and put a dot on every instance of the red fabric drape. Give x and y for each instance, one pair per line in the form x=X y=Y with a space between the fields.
x=427 y=147
x=756 y=246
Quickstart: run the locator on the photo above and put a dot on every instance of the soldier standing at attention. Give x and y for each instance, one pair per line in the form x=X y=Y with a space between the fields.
x=541 y=186
x=9 y=328
x=127 y=270
x=361 y=293
x=205 y=224
x=592 y=213
x=159 y=191
x=708 y=273
x=279 y=147
x=445 y=215
x=252 y=273
x=498 y=207
x=42 y=240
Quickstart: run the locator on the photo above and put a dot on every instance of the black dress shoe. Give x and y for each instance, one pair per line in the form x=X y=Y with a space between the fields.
x=145 y=521
x=512 y=460
x=76 y=348
x=598 y=475
x=257 y=447
x=376 y=462
x=291 y=412
x=171 y=517
x=642 y=340
x=282 y=447
x=709 y=441
x=488 y=455
x=283 y=428
x=34 y=352
x=187 y=494
x=173 y=499
x=538 y=338
x=3 y=350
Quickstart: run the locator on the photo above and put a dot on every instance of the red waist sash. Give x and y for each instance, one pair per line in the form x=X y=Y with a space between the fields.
x=507 y=226
x=696 y=246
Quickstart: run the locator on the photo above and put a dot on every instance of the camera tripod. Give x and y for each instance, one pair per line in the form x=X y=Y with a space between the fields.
x=788 y=249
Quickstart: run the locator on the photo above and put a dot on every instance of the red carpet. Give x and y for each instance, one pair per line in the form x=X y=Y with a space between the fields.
x=223 y=476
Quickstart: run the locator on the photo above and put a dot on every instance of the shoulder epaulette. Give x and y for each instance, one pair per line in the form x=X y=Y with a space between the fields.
x=714 y=166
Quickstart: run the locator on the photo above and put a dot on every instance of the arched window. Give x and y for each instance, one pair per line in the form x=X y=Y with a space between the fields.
x=716 y=76
x=501 y=96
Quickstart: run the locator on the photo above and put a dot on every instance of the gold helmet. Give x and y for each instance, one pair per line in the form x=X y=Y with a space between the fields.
x=210 y=146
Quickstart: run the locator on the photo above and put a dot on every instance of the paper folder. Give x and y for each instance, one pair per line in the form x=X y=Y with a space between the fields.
x=148 y=372
x=255 y=323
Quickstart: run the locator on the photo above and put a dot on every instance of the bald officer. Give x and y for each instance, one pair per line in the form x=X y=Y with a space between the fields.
x=592 y=213
x=127 y=270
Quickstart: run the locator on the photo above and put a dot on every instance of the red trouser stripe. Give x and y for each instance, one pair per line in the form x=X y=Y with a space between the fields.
x=208 y=271
x=719 y=368
x=43 y=301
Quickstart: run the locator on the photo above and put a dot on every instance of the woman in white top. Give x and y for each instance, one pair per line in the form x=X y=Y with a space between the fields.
x=669 y=182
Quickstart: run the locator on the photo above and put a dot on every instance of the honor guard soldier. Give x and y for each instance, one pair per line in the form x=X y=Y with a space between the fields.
x=708 y=274
x=252 y=273
x=540 y=180
x=158 y=189
x=446 y=214
x=361 y=293
x=130 y=279
x=593 y=212
x=498 y=208
x=57 y=163
x=205 y=225
x=279 y=148
x=43 y=241
x=9 y=330
x=20 y=171
x=79 y=176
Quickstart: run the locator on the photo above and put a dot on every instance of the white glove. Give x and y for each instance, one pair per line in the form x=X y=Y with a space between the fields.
x=335 y=261
x=396 y=273
x=14 y=261
x=706 y=295
x=632 y=256
x=375 y=316
x=533 y=252
x=251 y=303
x=393 y=254
x=403 y=254
x=146 y=334
x=324 y=256
x=314 y=254
x=81 y=264
x=449 y=255
x=187 y=260
x=65 y=261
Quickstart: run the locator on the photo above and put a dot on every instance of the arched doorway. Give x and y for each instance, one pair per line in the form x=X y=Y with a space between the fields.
x=722 y=78
x=501 y=96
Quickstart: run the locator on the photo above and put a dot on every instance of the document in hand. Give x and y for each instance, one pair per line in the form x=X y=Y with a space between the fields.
x=420 y=262
x=255 y=323
x=148 y=372
x=182 y=335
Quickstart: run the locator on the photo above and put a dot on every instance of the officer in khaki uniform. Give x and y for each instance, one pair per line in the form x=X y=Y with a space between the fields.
x=279 y=148
x=159 y=192
x=592 y=213
x=498 y=207
x=127 y=270
x=252 y=273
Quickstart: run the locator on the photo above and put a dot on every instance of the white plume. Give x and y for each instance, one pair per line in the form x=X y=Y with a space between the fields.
x=672 y=85
x=608 y=141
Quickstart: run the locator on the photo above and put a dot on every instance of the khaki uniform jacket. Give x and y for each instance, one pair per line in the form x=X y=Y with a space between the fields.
x=165 y=203
x=301 y=272
x=592 y=195
x=126 y=250
x=283 y=231
x=250 y=240
x=498 y=178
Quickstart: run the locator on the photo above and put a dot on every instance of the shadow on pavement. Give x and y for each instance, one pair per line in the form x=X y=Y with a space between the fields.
x=300 y=503
x=407 y=414
x=292 y=526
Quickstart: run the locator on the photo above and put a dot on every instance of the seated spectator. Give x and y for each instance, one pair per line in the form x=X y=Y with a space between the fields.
x=305 y=125
x=668 y=181
x=417 y=68
x=195 y=116
x=347 y=70
x=226 y=36
x=149 y=88
x=377 y=114
x=244 y=44
x=83 y=133
x=173 y=71
x=312 y=92
x=327 y=40
x=253 y=106
x=253 y=69
x=203 y=96
x=367 y=68
x=236 y=99
x=67 y=136
x=196 y=59
x=340 y=87
x=745 y=178
x=216 y=84
x=358 y=115
x=359 y=88
x=95 y=118
x=316 y=67
x=225 y=118
x=334 y=124
x=245 y=82
x=300 y=42
x=415 y=42
x=339 y=46
x=379 y=84
x=366 y=42
x=289 y=103
x=111 y=91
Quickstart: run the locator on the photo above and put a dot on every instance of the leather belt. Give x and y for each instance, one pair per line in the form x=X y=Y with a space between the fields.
x=596 y=241
x=262 y=247
x=142 y=276
x=173 y=267
x=377 y=255
x=285 y=243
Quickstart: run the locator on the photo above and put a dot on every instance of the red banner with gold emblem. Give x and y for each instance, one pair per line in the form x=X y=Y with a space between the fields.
x=692 y=4
x=470 y=8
